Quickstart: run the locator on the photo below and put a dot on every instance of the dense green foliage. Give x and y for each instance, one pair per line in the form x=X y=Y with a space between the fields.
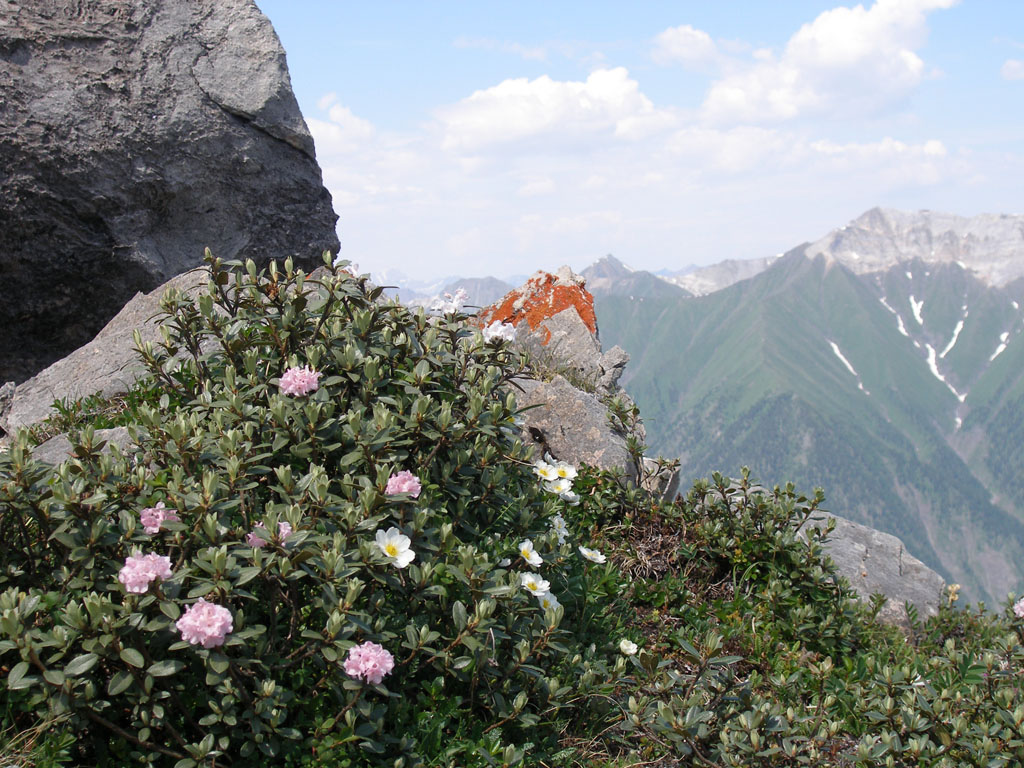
x=749 y=650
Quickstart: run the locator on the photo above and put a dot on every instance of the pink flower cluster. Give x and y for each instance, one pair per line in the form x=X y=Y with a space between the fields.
x=284 y=530
x=369 y=661
x=140 y=570
x=1018 y=608
x=404 y=482
x=205 y=624
x=300 y=381
x=153 y=517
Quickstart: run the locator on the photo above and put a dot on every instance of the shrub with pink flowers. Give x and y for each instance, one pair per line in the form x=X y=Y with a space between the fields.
x=369 y=661
x=139 y=571
x=403 y=482
x=354 y=564
x=205 y=624
x=300 y=381
x=153 y=518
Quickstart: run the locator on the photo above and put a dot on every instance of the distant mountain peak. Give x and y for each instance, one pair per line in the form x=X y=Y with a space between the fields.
x=990 y=245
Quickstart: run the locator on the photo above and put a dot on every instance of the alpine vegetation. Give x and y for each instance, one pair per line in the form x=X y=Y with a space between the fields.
x=327 y=545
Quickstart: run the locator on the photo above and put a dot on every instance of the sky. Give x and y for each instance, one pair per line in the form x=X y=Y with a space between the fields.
x=495 y=138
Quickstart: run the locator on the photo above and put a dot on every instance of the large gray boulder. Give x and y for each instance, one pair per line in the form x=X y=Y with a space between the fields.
x=873 y=562
x=108 y=365
x=134 y=134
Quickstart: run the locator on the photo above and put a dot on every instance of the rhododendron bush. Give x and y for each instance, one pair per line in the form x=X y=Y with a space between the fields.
x=300 y=554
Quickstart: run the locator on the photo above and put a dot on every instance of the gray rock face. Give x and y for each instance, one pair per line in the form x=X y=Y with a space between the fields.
x=878 y=562
x=134 y=134
x=572 y=425
x=989 y=245
x=58 y=449
x=108 y=364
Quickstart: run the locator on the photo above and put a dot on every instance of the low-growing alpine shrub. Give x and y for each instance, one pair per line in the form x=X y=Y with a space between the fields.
x=328 y=546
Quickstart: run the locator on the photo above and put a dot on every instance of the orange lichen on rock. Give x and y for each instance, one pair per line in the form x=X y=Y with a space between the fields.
x=543 y=296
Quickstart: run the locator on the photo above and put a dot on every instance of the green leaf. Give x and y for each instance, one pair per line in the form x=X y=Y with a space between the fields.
x=132 y=657
x=247 y=574
x=54 y=676
x=165 y=668
x=218 y=663
x=120 y=682
x=81 y=664
x=16 y=677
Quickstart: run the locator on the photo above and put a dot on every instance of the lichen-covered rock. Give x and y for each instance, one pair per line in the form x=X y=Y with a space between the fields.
x=134 y=134
x=874 y=561
x=553 y=314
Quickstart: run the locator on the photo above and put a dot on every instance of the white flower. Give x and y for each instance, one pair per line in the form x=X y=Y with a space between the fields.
x=592 y=555
x=558 y=526
x=628 y=647
x=451 y=303
x=504 y=562
x=534 y=584
x=565 y=470
x=559 y=485
x=548 y=601
x=1018 y=608
x=395 y=546
x=570 y=497
x=500 y=331
x=544 y=471
x=529 y=554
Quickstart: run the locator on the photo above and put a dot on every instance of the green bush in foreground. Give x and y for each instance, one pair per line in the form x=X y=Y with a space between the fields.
x=323 y=551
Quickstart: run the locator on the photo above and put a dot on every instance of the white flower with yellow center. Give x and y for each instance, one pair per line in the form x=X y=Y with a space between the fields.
x=396 y=547
x=559 y=485
x=565 y=471
x=529 y=553
x=569 y=497
x=544 y=471
x=628 y=647
x=534 y=584
x=592 y=555
x=547 y=602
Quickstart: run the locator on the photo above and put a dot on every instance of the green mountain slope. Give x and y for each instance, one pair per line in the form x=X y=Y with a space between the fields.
x=803 y=374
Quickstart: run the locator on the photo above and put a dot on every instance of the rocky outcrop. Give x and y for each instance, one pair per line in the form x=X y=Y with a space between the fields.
x=134 y=134
x=107 y=365
x=566 y=415
x=572 y=425
x=873 y=562
x=555 y=323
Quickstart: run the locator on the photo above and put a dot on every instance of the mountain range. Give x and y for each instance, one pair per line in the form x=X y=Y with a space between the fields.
x=881 y=362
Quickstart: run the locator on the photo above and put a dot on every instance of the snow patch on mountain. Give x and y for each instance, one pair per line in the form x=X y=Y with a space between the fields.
x=933 y=365
x=849 y=367
x=952 y=341
x=1002 y=345
x=916 y=307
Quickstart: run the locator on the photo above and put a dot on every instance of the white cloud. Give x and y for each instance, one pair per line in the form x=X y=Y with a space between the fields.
x=1013 y=69
x=325 y=101
x=534 y=187
x=847 y=61
x=685 y=44
x=609 y=102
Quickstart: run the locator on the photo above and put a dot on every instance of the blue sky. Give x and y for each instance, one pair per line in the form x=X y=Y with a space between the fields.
x=489 y=138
